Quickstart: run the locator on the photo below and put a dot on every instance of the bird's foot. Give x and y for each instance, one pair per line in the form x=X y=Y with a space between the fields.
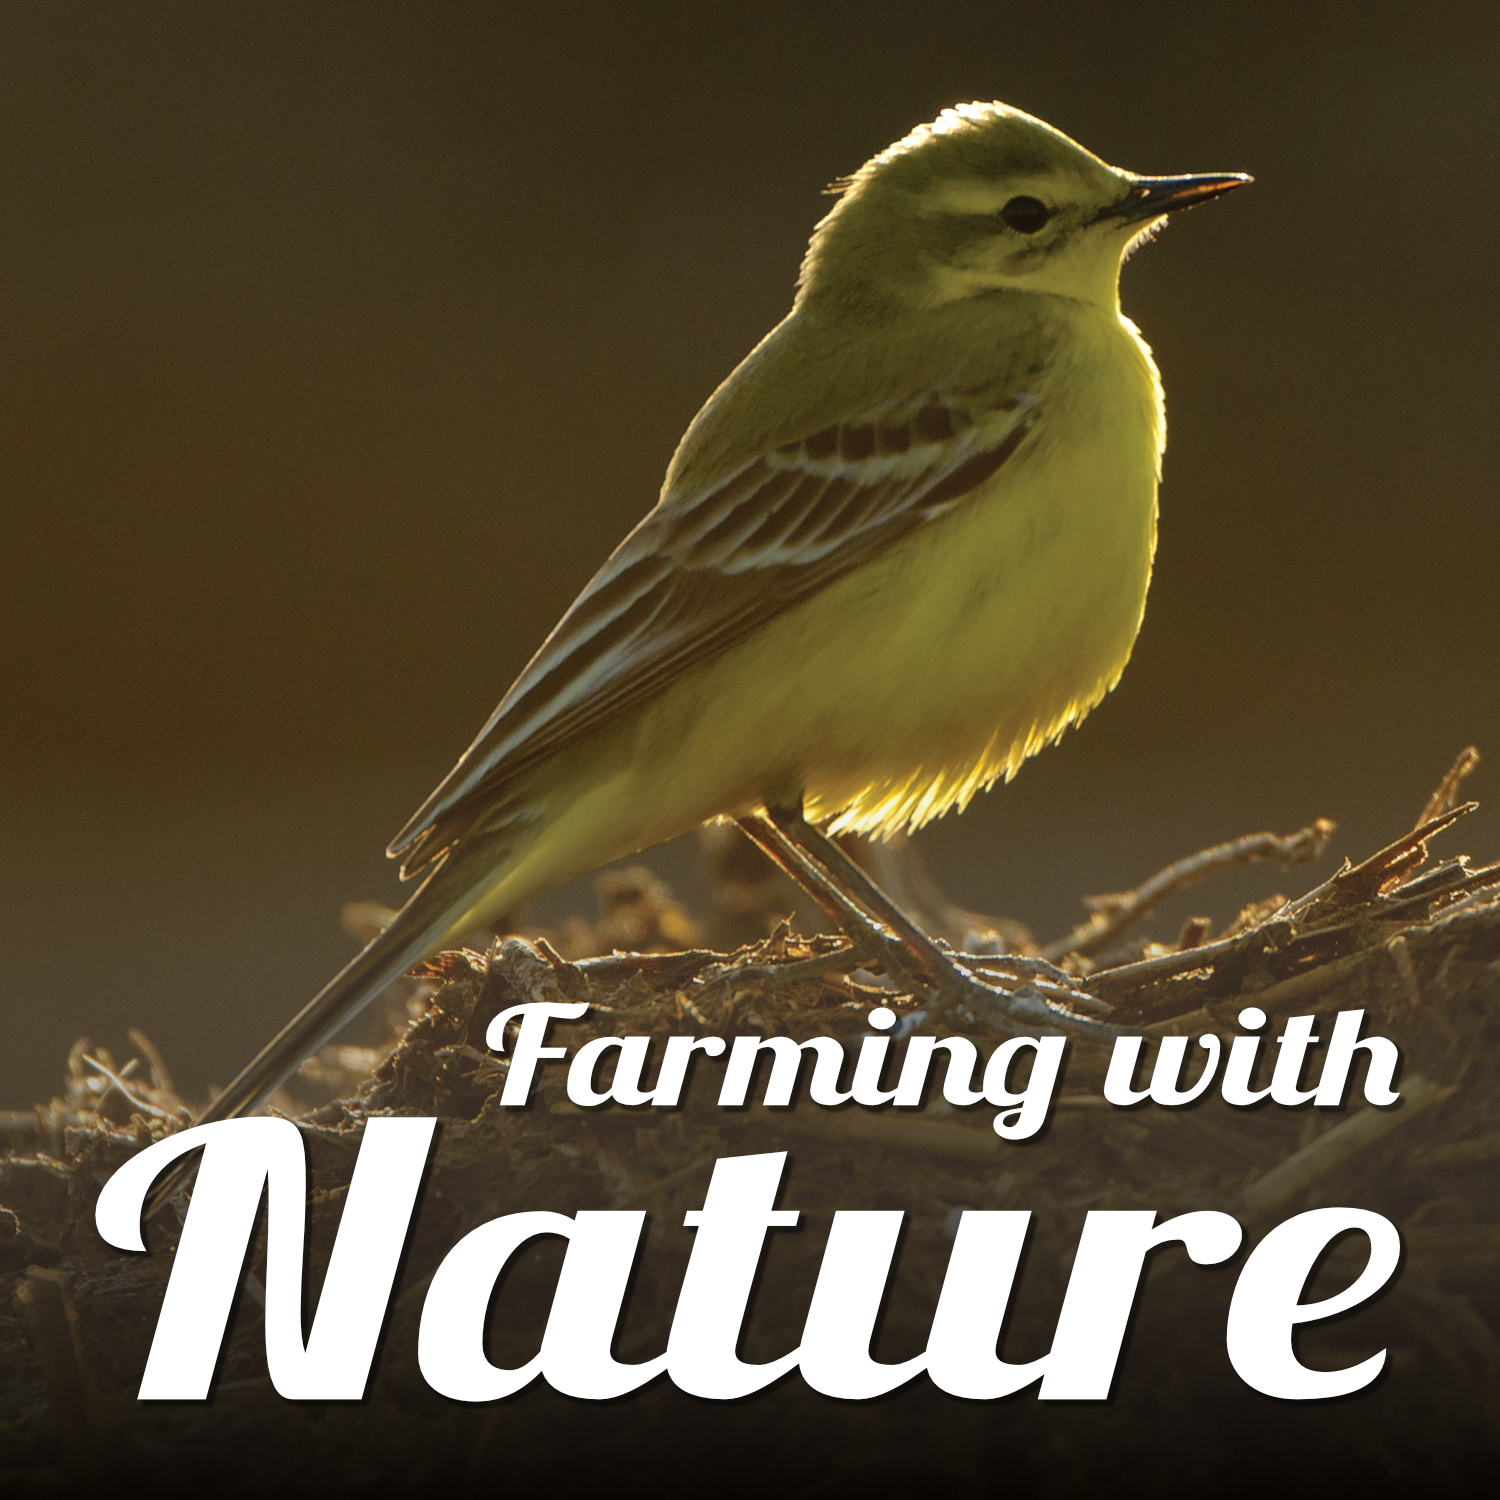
x=1028 y=1009
x=944 y=982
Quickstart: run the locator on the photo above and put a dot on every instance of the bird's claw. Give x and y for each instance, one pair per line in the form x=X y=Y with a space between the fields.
x=1023 y=1011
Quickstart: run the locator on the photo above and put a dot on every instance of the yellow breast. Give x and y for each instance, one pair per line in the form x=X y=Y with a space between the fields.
x=920 y=677
x=942 y=665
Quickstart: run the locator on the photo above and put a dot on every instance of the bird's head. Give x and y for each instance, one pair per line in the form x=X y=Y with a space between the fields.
x=986 y=197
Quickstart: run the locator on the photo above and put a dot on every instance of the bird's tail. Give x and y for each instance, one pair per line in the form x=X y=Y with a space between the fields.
x=405 y=943
x=432 y=916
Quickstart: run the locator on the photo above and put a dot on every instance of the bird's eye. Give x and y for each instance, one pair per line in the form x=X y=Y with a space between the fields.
x=1026 y=215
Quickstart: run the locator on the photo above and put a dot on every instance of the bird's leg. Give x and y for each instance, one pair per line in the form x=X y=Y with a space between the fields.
x=947 y=980
x=812 y=843
x=857 y=924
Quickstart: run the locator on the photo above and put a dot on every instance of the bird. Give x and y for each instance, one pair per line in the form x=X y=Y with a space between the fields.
x=904 y=546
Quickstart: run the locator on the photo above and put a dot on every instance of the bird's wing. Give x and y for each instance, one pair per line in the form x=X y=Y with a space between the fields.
x=708 y=566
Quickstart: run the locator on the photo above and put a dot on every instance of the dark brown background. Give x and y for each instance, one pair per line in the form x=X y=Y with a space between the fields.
x=341 y=342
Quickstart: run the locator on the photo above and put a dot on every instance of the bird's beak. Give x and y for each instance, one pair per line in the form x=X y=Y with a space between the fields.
x=1153 y=196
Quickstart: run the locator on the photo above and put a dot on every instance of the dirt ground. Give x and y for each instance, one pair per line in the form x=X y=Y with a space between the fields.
x=1412 y=939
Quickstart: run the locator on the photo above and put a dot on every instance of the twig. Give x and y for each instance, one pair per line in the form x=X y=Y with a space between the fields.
x=161 y=1079
x=1124 y=983
x=1305 y=1167
x=1116 y=913
x=1067 y=992
x=553 y=957
x=1019 y=967
x=775 y=976
x=1276 y=999
x=1356 y=884
x=654 y=964
x=1311 y=930
x=1192 y=934
x=131 y=1099
x=80 y=1417
x=1447 y=789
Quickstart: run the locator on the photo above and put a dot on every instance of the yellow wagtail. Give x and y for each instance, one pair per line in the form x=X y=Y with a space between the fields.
x=903 y=547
